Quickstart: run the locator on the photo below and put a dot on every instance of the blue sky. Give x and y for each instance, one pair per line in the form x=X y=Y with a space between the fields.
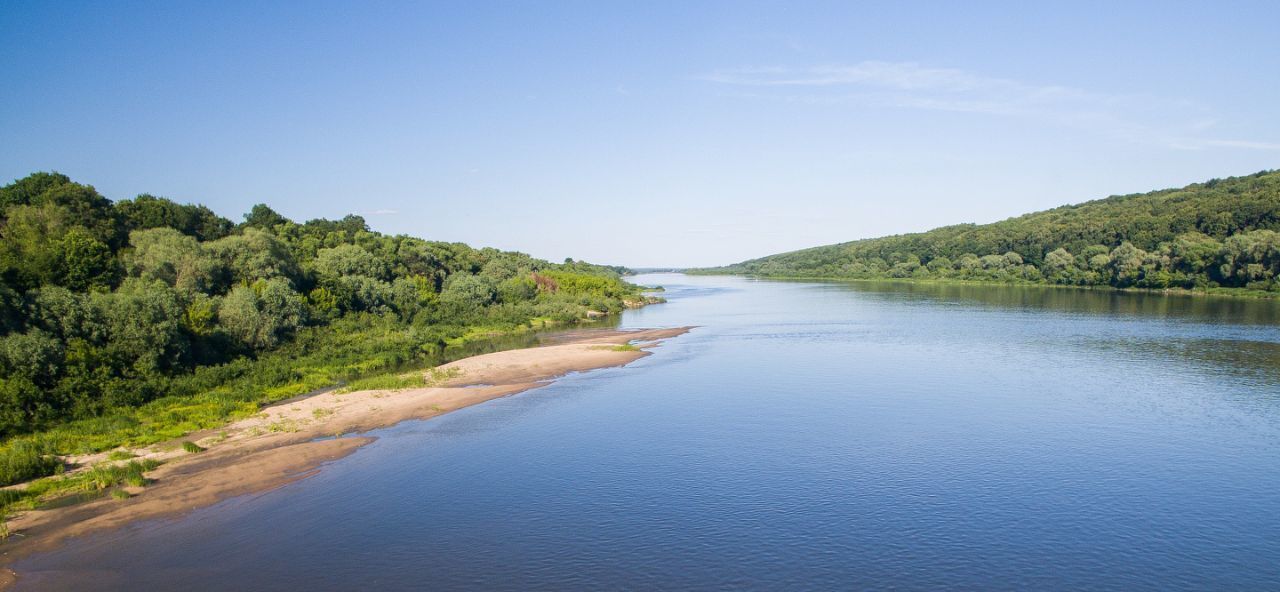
x=645 y=134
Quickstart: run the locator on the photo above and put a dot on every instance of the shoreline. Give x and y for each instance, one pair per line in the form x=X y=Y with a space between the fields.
x=290 y=440
x=1219 y=292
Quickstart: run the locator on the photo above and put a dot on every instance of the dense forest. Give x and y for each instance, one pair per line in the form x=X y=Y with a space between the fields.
x=1224 y=233
x=135 y=321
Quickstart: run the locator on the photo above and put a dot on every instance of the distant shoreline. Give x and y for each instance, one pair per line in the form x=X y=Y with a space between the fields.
x=1244 y=293
x=289 y=441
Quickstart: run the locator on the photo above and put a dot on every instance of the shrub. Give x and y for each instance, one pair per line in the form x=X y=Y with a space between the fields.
x=23 y=460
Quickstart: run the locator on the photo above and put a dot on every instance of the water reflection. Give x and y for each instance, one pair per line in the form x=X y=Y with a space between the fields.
x=1215 y=309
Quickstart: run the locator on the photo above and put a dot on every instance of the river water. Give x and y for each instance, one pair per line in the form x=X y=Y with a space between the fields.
x=806 y=436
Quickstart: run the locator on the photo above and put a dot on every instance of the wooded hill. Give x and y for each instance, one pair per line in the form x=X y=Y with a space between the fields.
x=135 y=321
x=1221 y=233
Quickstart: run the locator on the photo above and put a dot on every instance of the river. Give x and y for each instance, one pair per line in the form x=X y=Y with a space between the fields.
x=806 y=435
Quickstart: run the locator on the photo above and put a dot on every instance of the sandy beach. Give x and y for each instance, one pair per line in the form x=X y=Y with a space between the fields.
x=290 y=440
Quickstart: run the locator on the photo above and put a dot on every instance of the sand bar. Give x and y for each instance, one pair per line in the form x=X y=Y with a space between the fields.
x=290 y=440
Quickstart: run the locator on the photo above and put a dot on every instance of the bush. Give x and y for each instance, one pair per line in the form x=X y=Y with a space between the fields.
x=23 y=460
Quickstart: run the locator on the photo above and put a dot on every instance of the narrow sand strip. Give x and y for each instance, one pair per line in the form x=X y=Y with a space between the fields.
x=280 y=444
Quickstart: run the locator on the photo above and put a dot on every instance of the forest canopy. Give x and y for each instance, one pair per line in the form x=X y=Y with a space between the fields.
x=137 y=319
x=1224 y=233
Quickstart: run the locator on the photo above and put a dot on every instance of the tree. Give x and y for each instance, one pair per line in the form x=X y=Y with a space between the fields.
x=1127 y=264
x=147 y=211
x=23 y=405
x=1060 y=266
x=177 y=259
x=42 y=244
x=144 y=325
x=34 y=355
x=65 y=314
x=517 y=289
x=256 y=255
x=86 y=261
x=347 y=260
x=30 y=245
x=262 y=315
x=466 y=292
x=263 y=218
x=81 y=205
x=27 y=190
x=940 y=266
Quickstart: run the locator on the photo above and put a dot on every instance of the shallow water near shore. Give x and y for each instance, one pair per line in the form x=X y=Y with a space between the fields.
x=806 y=435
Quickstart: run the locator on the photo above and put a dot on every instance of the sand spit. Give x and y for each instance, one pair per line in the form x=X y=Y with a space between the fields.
x=291 y=440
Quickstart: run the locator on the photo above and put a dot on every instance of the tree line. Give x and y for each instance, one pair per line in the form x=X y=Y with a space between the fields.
x=1224 y=233
x=108 y=306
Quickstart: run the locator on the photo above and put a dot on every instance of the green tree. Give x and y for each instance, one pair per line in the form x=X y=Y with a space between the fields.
x=263 y=218
x=347 y=260
x=177 y=259
x=86 y=261
x=147 y=211
x=256 y=255
x=144 y=325
x=468 y=293
x=262 y=315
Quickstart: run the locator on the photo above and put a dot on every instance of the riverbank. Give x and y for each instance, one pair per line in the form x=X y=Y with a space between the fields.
x=1217 y=291
x=289 y=441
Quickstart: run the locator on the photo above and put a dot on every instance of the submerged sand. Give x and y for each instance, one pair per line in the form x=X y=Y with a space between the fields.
x=287 y=442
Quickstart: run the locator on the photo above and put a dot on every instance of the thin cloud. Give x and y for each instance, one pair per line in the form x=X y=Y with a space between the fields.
x=1170 y=123
x=384 y=212
x=1245 y=144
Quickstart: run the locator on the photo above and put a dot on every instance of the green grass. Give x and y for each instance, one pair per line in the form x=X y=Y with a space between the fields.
x=626 y=347
x=82 y=485
x=26 y=459
x=386 y=382
x=192 y=447
x=284 y=426
x=120 y=455
x=120 y=494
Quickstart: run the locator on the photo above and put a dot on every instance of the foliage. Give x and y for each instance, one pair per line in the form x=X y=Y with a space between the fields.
x=1221 y=233
x=139 y=321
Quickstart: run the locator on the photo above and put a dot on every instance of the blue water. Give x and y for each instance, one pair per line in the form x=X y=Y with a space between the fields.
x=805 y=436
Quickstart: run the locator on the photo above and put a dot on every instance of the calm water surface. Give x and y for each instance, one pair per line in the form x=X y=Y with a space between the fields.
x=807 y=435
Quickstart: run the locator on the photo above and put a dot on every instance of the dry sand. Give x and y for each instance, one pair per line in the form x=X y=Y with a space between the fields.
x=281 y=444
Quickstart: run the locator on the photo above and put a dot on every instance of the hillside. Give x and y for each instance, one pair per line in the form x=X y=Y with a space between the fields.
x=141 y=320
x=1219 y=233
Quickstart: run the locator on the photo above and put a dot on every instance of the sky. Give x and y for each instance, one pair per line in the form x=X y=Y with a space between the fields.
x=647 y=134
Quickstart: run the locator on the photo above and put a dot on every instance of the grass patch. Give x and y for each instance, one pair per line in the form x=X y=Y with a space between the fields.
x=192 y=447
x=26 y=459
x=386 y=382
x=120 y=494
x=63 y=489
x=53 y=491
x=394 y=382
x=436 y=376
x=284 y=426
x=626 y=347
x=121 y=455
